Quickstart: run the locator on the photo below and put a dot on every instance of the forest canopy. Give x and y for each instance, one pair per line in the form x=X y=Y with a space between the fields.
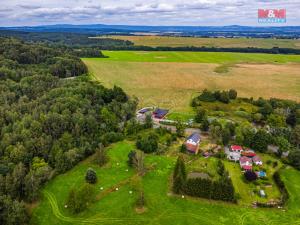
x=49 y=123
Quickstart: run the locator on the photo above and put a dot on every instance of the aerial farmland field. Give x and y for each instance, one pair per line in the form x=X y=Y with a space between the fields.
x=170 y=79
x=155 y=41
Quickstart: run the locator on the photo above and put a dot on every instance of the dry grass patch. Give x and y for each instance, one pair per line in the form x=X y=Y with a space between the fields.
x=172 y=85
x=155 y=41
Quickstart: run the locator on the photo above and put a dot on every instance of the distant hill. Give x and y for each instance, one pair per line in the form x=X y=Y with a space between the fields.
x=204 y=31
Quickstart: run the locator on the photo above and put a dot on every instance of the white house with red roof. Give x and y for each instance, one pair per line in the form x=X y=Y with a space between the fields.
x=246 y=163
x=236 y=148
x=234 y=152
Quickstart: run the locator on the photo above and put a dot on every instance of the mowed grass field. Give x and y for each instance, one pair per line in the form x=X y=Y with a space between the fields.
x=155 y=41
x=171 y=79
x=162 y=208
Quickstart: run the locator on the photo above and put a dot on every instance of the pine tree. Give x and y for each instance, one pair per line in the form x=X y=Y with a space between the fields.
x=179 y=176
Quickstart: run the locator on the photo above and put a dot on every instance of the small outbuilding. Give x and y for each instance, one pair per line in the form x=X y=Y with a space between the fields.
x=262 y=193
x=257 y=160
x=261 y=174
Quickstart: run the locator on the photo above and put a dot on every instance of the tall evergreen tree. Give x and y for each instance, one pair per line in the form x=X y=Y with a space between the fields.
x=179 y=175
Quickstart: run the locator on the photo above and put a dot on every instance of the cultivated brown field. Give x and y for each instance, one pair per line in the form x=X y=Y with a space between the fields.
x=173 y=84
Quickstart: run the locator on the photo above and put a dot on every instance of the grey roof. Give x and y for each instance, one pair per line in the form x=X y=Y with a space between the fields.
x=144 y=110
x=195 y=137
x=161 y=112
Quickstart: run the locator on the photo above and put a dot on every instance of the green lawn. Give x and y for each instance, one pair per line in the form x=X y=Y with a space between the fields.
x=198 y=57
x=117 y=207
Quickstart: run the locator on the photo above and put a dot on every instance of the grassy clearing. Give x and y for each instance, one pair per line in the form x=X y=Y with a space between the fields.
x=162 y=208
x=155 y=41
x=173 y=84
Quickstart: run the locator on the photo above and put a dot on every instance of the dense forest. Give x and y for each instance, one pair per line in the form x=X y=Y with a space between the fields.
x=51 y=117
x=74 y=40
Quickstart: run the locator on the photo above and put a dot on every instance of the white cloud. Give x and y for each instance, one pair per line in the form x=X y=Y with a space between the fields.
x=151 y=12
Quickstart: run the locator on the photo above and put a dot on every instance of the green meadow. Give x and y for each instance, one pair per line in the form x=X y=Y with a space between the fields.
x=117 y=207
x=197 y=57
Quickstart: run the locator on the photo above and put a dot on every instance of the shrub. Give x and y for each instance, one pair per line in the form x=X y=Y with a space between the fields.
x=232 y=94
x=242 y=114
x=205 y=125
x=250 y=175
x=183 y=148
x=207 y=96
x=281 y=186
x=200 y=115
x=79 y=199
x=224 y=97
x=148 y=143
x=91 y=176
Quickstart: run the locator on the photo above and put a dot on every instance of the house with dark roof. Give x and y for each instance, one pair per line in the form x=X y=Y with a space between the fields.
x=246 y=163
x=192 y=143
x=160 y=113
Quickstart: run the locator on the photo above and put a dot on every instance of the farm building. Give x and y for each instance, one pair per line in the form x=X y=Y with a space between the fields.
x=257 y=161
x=160 y=113
x=246 y=163
x=192 y=143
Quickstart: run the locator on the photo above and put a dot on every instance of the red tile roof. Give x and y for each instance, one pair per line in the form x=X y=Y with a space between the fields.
x=236 y=148
x=247 y=167
x=245 y=159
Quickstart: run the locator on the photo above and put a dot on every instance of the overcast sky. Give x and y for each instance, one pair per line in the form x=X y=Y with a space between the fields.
x=142 y=12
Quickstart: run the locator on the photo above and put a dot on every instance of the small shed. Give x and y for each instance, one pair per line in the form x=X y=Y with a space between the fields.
x=262 y=193
x=257 y=160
